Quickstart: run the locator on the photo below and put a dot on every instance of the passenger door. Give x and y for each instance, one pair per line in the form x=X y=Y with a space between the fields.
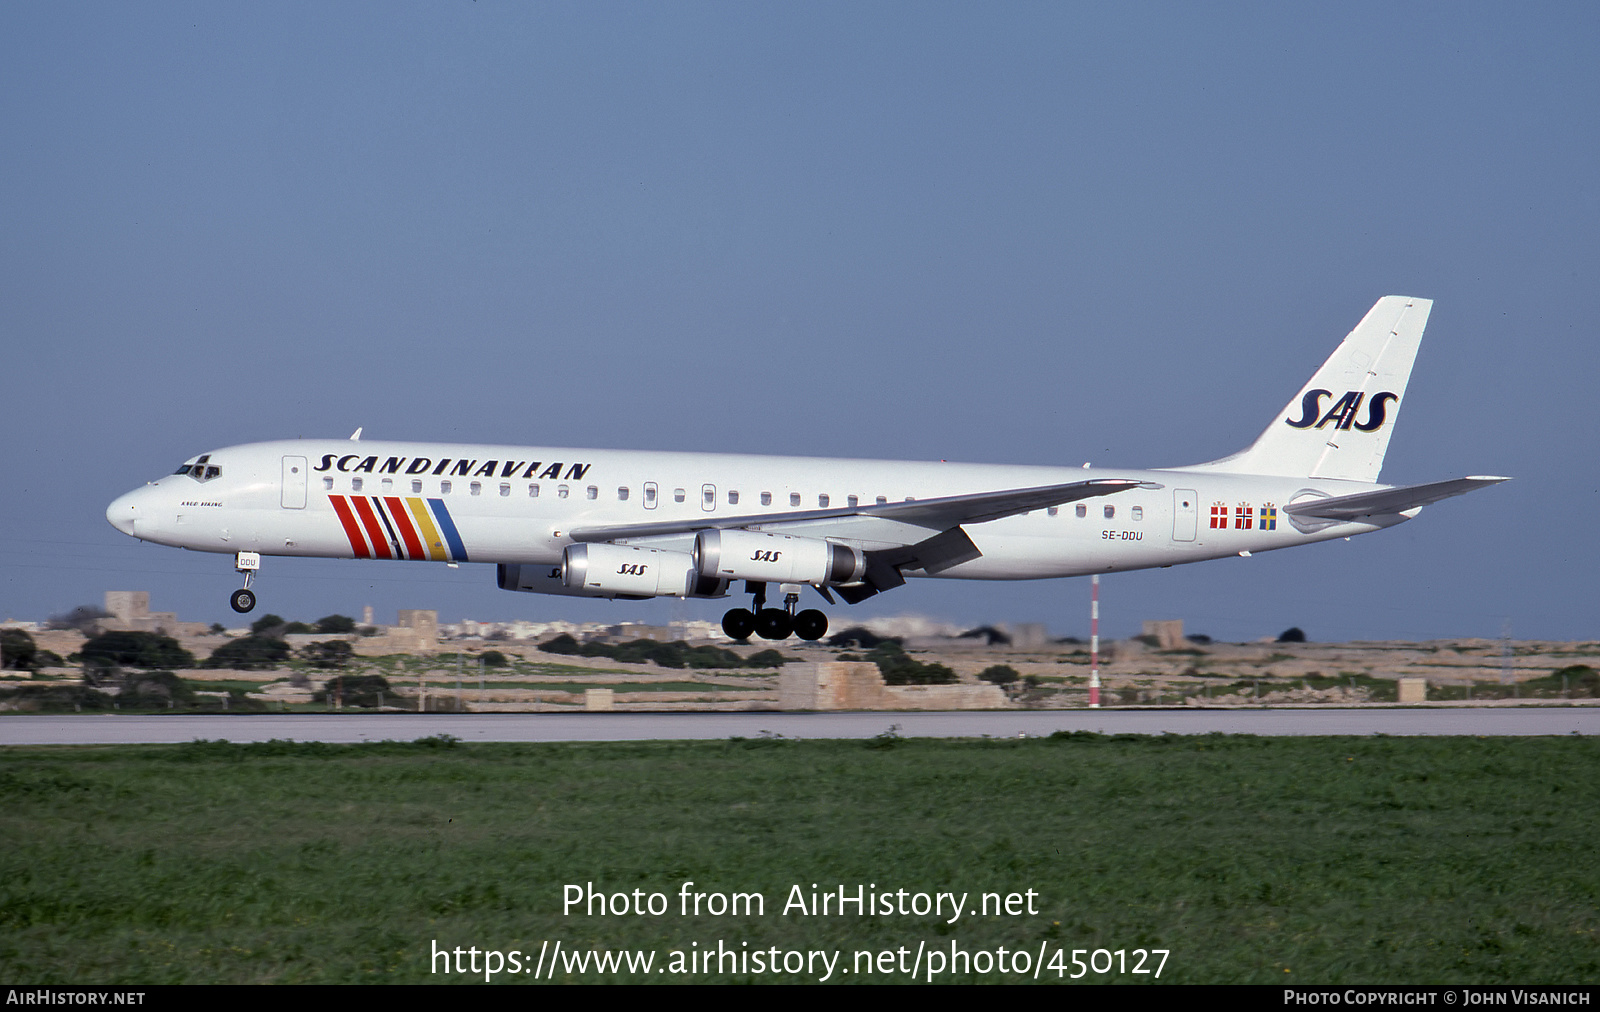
x=1185 y=514
x=294 y=483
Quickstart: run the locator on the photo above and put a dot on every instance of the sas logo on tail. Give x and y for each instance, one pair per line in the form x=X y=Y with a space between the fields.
x=1342 y=413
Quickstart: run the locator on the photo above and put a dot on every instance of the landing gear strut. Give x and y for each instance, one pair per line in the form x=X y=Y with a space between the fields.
x=244 y=600
x=774 y=623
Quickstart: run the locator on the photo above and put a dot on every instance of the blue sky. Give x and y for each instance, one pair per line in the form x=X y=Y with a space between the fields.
x=1034 y=233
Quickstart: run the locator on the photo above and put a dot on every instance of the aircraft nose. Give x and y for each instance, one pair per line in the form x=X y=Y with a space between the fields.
x=123 y=511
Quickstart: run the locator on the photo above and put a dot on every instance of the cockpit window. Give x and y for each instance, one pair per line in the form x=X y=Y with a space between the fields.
x=200 y=470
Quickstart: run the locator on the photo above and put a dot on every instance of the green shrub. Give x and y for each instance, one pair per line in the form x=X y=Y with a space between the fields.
x=154 y=690
x=1000 y=674
x=1577 y=680
x=250 y=653
x=332 y=654
x=19 y=652
x=55 y=698
x=562 y=644
x=357 y=690
x=898 y=668
x=136 y=650
x=677 y=654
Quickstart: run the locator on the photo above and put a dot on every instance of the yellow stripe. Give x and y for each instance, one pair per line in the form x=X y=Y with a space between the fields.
x=430 y=533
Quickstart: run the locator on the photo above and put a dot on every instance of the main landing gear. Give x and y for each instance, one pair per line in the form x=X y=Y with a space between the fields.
x=775 y=623
x=244 y=599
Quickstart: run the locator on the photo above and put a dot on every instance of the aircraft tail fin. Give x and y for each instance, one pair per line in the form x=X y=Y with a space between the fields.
x=1338 y=425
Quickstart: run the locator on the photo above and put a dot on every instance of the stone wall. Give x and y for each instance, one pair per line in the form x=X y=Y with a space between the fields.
x=416 y=633
x=1167 y=632
x=130 y=612
x=858 y=685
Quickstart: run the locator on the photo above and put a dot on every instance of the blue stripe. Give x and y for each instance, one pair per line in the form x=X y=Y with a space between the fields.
x=447 y=527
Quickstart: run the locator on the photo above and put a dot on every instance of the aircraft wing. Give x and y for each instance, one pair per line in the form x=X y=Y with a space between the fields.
x=899 y=523
x=1388 y=500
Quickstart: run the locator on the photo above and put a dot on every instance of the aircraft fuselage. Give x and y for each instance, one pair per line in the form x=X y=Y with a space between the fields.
x=397 y=500
x=639 y=524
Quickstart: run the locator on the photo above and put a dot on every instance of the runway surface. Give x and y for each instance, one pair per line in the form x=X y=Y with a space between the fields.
x=553 y=727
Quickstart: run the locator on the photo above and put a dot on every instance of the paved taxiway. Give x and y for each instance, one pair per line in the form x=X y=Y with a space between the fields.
x=105 y=730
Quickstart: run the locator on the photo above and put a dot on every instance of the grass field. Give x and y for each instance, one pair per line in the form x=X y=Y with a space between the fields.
x=1304 y=860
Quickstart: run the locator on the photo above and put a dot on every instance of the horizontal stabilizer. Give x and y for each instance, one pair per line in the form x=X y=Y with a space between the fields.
x=1387 y=500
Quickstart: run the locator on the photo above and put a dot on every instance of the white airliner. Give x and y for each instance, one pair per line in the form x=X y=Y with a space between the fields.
x=635 y=525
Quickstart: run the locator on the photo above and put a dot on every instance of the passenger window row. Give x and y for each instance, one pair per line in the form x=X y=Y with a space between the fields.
x=679 y=495
x=1108 y=511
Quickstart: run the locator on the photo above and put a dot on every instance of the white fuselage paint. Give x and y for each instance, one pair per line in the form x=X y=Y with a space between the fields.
x=613 y=523
x=254 y=503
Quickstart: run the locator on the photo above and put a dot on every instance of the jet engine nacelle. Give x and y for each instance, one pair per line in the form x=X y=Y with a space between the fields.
x=629 y=571
x=775 y=558
x=542 y=578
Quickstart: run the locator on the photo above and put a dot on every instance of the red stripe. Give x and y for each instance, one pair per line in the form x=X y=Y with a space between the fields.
x=369 y=520
x=397 y=512
x=351 y=529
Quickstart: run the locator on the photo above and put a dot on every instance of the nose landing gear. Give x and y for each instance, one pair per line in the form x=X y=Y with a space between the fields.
x=244 y=600
x=774 y=623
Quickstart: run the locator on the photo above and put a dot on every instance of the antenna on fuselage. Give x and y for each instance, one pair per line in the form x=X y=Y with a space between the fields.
x=355 y=436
